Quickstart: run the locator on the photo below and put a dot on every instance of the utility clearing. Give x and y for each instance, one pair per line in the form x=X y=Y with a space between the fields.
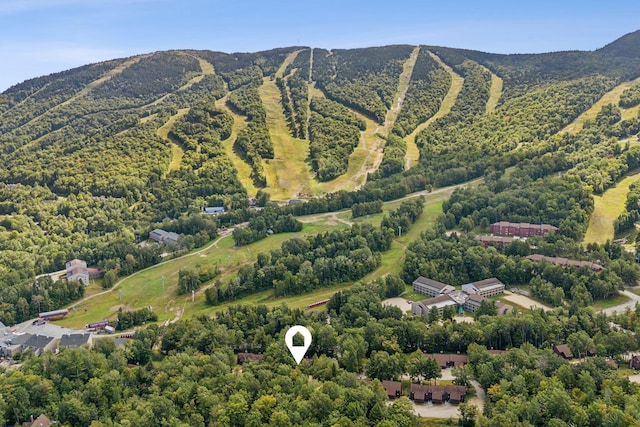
x=606 y=209
x=413 y=153
x=611 y=97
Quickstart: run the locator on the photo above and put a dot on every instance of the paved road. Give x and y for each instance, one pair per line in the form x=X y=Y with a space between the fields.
x=631 y=304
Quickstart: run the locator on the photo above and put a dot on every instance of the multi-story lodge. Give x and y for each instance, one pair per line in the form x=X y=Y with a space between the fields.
x=522 y=229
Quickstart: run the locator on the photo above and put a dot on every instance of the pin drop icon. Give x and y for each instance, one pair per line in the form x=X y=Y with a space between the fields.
x=298 y=351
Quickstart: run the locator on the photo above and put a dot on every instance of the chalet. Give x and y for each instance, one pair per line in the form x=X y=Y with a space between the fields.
x=214 y=210
x=565 y=262
x=522 y=229
x=77 y=271
x=563 y=351
x=431 y=288
x=634 y=362
x=438 y=395
x=420 y=393
x=244 y=357
x=448 y=360
x=165 y=237
x=456 y=393
x=76 y=340
x=497 y=241
x=393 y=389
x=41 y=421
x=422 y=308
x=486 y=288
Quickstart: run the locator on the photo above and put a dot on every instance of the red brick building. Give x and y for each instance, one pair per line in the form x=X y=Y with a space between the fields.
x=522 y=229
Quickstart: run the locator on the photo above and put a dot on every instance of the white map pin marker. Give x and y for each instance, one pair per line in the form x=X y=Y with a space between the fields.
x=298 y=351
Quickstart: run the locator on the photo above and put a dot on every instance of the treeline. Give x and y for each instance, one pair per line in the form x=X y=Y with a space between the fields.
x=428 y=86
x=294 y=92
x=131 y=318
x=366 y=208
x=254 y=141
x=631 y=214
x=630 y=97
x=403 y=218
x=363 y=79
x=395 y=150
x=190 y=279
x=271 y=220
x=24 y=301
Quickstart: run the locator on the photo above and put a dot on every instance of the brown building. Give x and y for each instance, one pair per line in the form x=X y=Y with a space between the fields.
x=41 y=421
x=392 y=388
x=456 y=393
x=243 y=357
x=420 y=393
x=498 y=241
x=522 y=229
x=449 y=360
x=563 y=351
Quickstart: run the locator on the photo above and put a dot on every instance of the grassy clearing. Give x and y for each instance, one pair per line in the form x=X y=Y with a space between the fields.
x=611 y=97
x=630 y=113
x=361 y=161
x=401 y=92
x=177 y=152
x=494 y=93
x=145 y=288
x=610 y=302
x=243 y=168
x=606 y=209
x=413 y=154
x=287 y=173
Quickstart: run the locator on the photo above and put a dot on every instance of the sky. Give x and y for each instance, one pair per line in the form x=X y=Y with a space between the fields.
x=39 y=37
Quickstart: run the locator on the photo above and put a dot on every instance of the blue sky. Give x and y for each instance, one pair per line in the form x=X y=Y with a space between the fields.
x=38 y=37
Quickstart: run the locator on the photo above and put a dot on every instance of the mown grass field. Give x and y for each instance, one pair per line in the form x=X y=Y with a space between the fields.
x=606 y=209
x=413 y=153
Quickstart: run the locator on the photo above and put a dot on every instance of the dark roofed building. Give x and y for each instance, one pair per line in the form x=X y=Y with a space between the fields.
x=498 y=241
x=522 y=229
x=39 y=344
x=75 y=340
x=456 y=393
x=214 y=210
x=487 y=287
x=420 y=393
x=438 y=395
x=422 y=308
x=243 y=357
x=392 y=388
x=563 y=350
x=449 y=360
x=565 y=262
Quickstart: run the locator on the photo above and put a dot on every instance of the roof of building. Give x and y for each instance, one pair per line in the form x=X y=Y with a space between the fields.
x=494 y=239
x=38 y=342
x=439 y=301
x=74 y=340
x=243 y=357
x=420 y=389
x=41 y=421
x=76 y=263
x=481 y=284
x=214 y=209
x=525 y=225
x=565 y=262
x=392 y=387
x=16 y=338
x=455 y=392
x=444 y=358
x=431 y=282
x=564 y=350
x=476 y=298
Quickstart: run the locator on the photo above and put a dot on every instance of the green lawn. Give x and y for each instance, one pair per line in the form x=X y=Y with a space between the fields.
x=610 y=302
x=606 y=209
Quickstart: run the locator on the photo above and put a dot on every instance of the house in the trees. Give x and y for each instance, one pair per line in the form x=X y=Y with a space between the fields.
x=565 y=262
x=420 y=393
x=214 y=210
x=430 y=287
x=498 y=241
x=486 y=288
x=522 y=229
x=456 y=393
x=244 y=357
x=392 y=388
x=165 y=237
x=41 y=421
x=448 y=360
x=634 y=362
x=563 y=351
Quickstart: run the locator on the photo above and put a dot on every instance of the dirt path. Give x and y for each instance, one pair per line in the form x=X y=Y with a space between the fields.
x=611 y=97
x=413 y=153
x=633 y=300
x=287 y=173
x=177 y=152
